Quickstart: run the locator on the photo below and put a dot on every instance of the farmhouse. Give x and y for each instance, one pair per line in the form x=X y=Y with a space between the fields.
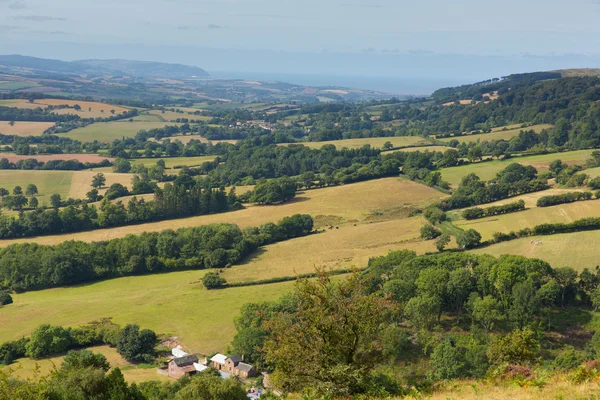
x=182 y=366
x=233 y=365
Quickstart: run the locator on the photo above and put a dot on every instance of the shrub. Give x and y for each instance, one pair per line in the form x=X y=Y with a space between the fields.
x=428 y=232
x=518 y=347
x=434 y=215
x=473 y=213
x=213 y=280
x=5 y=298
x=448 y=360
x=47 y=340
x=548 y=201
x=568 y=359
x=468 y=239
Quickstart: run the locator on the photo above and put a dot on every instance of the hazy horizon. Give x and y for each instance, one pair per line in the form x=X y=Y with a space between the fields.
x=429 y=42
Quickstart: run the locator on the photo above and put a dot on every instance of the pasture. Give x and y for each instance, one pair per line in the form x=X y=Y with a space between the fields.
x=350 y=246
x=377 y=142
x=172 y=162
x=25 y=367
x=108 y=131
x=563 y=213
x=488 y=170
x=73 y=184
x=497 y=134
x=577 y=250
x=204 y=319
x=24 y=128
x=369 y=201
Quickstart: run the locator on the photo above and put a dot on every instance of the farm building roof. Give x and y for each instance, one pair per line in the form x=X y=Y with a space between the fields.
x=245 y=367
x=219 y=358
x=200 y=367
x=236 y=359
x=178 y=353
x=186 y=360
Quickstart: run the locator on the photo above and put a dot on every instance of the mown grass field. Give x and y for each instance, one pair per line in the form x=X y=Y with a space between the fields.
x=89 y=109
x=422 y=148
x=488 y=170
x=350 y=246
x=577 y=250
x=73 y=184
x=109 y=131
x=370 y=201
x=24 y=128
x=175 y=304
x=563 y=213
x=25 y=368
x=497 y=134
x=397 y=141
x=171 y=162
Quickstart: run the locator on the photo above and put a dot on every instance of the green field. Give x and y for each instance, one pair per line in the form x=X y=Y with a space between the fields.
x=488 y=170
x=497 y=134
x=577 y=250
x=17 y=85
x=174 y=303
x=109 y=131
x=73 y=184
x=47 y=182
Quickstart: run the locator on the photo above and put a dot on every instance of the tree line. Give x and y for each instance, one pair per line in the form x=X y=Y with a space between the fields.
x=31 y=266
x=477 y=212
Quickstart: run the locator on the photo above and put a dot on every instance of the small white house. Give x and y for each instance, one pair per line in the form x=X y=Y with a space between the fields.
x=218 y=361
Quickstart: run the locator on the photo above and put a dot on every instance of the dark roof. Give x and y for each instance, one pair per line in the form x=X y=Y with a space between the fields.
x=187 y=360
x=236 y=359
x=245 y=367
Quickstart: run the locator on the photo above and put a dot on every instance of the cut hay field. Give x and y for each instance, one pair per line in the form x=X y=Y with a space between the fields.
x=577 y=250
x=347 y=247
x=370 y=201
x=173 y=115
x=91 y=158
x=108 y=131
x=89 y=109
x=563 y=213
x=377 y=142
x=174 y=303
x=24 y=128
x=422 y=148
x=171 y=162
x=497 y=134
x=73 y=184
x=24 y=368
x=488 y=170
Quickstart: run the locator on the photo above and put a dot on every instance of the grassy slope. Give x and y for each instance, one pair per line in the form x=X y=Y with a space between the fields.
x=174 y=303
x=578 y=250
x=488 y=170
x=342 y=204
x=109 y=131
x=397 y=141
x=563 y=213
x=21 y=128
x=25 y=368
x=497 y=134
x=171 y=162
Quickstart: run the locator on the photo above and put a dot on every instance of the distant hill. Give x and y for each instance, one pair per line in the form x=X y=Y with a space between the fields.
x=566 y=73
x=138 y=69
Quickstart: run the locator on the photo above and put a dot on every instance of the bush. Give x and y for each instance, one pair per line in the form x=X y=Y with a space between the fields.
x=47 y=340
x=428 y=232
x=468 y=239
x=518 y=347
x=5 y=298
x=434 y=215
x=213 y=280
x=568 y=359
x=448 y=360
x=473 y=213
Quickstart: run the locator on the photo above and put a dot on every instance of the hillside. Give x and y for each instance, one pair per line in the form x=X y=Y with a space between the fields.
x=137 y=69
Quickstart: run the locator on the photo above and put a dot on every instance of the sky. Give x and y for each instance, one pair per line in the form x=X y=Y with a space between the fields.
x=329 y=37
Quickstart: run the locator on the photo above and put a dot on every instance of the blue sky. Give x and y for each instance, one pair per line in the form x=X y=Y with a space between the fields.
x=155 y=29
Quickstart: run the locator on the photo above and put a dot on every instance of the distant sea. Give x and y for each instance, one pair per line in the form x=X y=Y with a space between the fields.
x=392 y=85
